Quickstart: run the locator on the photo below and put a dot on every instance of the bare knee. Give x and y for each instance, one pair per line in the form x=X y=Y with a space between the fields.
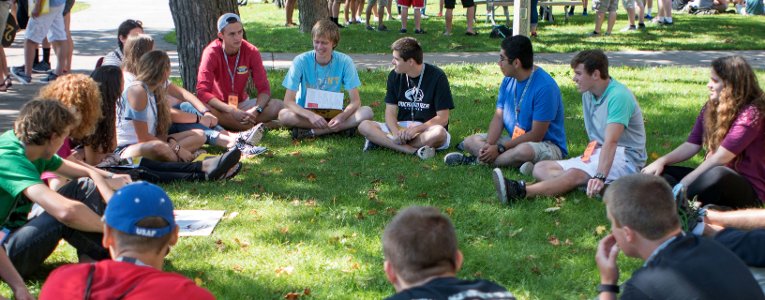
x=546 y=168
x=436 y=135
x=474 y=143
x=365 y=113
x=367 y=127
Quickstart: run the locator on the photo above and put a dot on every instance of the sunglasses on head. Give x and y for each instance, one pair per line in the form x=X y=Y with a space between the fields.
x=231 y=20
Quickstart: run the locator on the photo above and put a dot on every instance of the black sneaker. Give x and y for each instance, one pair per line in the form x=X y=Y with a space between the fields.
x=457 y=158
x=402 y=30
x=41 y=67
x=370 y=28
x=419 y=31
x=689 y=211
x=507 y=190
x=51 y=77
x=301 y=133
x=350 y=132
x=382 y=28
x=369 y=146
x=460 y=146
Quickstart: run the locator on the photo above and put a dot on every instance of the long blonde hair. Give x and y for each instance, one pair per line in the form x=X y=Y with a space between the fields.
x=152 y=69
x=135 y=47
x=740 y=89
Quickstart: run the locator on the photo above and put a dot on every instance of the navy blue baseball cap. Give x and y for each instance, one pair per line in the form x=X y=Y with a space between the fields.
x=135 y=202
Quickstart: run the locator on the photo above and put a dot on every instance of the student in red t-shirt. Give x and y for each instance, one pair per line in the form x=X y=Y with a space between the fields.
x=731 y=128
x=227 y=63
x=139 y=229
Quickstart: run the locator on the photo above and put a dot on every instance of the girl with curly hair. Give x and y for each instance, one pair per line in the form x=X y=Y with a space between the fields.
x=731 y=129
x=143 y=116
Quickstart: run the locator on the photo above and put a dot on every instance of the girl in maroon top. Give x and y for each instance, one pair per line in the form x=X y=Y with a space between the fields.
x=731 y=128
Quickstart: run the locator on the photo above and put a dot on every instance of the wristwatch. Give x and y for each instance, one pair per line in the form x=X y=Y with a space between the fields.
x=600 y=176
x=611 y=288
x=501 y=148
x=258 y=109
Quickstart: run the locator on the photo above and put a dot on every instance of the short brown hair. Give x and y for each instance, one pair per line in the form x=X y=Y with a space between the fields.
x=420 y=242
x=39 y=119
x=327 y=29
x=644 y=203
x=81 y=94
x=408 y=47
x=592 y=60
x=141 y=243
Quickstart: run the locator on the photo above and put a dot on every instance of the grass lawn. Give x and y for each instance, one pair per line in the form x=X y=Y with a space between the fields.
x=264 y=25
x=308 y=216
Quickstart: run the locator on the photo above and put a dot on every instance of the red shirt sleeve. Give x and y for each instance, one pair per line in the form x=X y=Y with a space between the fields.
x=206 y=74
x=259 y=77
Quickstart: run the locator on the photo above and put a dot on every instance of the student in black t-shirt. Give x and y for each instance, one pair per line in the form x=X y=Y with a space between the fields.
x=644 y=224
x=417 y=105
x=422 y=259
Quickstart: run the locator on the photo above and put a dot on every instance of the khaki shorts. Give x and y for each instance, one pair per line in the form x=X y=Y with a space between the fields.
x=621 y=166
x=544 y=150
x=603 y=6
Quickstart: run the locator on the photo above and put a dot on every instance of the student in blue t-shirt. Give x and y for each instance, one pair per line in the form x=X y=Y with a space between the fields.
x=326 y=70
x=529 y=107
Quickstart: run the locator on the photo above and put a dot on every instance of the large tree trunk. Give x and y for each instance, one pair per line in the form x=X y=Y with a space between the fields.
x=310 y=12
x=195 y=27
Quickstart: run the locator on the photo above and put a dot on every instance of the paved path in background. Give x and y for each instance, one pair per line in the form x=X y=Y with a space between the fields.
x=95 y=29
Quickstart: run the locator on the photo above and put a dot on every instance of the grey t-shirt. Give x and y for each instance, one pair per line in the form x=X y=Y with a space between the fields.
x=616 y=105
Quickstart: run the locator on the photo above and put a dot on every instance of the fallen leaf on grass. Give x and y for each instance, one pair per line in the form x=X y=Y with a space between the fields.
x=422 y=195
x=372 y=194
x=254 y=212
x=311 y=177
x=306 y=291
x=477 y=274
x=354 y=266
x=238 y=268
x=360 y=215
x=284 y=229
x=654 y=156
x=242 y=244
x=449 y=211
x=288 y=270
x=391 y=211
x=552 y=209
x=198 y=281
x=536 y=271
x=310 y=202
x=600 y=229
x=372 y=212
x=568 y=242
x=322 y=161
x=553 y=240
x=295 y=202
x=295 y=153
x=291 y=296
x=374 y=104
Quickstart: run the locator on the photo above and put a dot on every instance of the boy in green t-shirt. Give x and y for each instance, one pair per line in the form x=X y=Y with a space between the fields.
x=71 y=214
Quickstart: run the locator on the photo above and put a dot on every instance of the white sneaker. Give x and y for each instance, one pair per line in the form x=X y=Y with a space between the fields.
x=252 y=136
x=527 y=168
x=425 y=152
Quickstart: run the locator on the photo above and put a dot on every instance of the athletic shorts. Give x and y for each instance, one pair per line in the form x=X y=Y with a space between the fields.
x=544 y=150
x=449 y=4
x=628 y=4
x=411 y=3
x=50 y=24
x=620 y=167
x=404 y=124
x=603 y=6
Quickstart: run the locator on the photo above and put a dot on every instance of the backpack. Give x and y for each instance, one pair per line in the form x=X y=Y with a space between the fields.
x=500 y=32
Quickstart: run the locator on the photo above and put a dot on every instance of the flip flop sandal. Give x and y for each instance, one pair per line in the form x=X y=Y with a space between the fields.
x=8 y=82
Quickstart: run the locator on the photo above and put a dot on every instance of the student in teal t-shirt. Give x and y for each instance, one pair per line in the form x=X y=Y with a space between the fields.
x=71 y=214
x=325 y=70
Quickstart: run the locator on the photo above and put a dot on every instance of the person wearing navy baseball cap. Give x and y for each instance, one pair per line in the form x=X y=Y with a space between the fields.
x=139 y=229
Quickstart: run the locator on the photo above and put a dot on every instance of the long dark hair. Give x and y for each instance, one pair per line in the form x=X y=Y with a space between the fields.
x=109 y=79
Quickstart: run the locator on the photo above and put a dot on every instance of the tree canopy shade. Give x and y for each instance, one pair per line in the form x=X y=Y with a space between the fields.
x=195 y=27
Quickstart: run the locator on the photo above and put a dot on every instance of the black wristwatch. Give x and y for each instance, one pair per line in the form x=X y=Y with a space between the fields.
x=600 y=176
x=611 y=288
x=501 y=148
x=258 y=109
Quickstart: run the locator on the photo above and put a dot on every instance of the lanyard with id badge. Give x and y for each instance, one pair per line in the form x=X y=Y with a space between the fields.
x=517 y=130
x=233 y=97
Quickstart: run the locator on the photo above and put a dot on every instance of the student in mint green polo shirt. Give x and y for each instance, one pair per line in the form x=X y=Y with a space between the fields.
x=72 y=213
x=614 y=125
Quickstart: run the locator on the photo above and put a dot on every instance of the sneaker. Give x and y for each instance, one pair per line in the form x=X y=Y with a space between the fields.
x=51 y=77
x=648 y=17
x=457 y=158
x=301 y=133
x=424 y=16
x=689 y=211
x=468 y=33
x=527 y=168
x=658 y=20
x=41 y=67
x=370 y=28
x=594 y=33
x=507 y=190
x=382 y=28
x=447 y=33
x=350 y=132
x=369 y=146
x=253 y=135
x=629 y=28
x=425 y=152
x=584 y=13
x=419 y=31
x=18 y=73
x=641 y=26
x=570 y=13
x=402 y=30
x=250 y=150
